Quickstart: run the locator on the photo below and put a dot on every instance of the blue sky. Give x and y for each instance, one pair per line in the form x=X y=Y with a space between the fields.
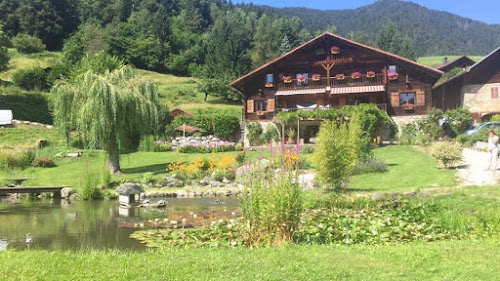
x=483 y=10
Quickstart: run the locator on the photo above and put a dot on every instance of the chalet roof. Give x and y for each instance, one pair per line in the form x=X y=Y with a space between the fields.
x=238 y=81
x=178 y=111
x=129 y=189
x=454 y=61
x=188 y=129
x=473 y=67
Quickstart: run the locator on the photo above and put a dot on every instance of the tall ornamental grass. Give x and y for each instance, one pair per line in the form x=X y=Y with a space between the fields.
x=337 y=152
x=272 y=201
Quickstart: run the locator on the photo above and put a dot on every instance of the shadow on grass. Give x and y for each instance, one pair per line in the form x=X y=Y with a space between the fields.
x=156 y=169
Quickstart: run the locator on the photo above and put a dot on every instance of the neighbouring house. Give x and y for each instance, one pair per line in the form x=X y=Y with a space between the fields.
x=462 y=62
x=330 y=71
x=475 y=89
x=178 y=111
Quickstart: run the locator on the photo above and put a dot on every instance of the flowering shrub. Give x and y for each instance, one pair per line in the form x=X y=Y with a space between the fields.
x=198 y=147
x=200 y=167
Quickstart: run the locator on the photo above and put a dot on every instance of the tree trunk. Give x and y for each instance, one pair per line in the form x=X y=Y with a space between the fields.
x=114 y=157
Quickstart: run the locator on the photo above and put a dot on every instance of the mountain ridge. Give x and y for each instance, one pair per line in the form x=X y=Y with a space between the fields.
x=433 y=32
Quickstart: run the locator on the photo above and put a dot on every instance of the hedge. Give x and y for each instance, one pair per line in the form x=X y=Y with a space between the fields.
x=26 y=106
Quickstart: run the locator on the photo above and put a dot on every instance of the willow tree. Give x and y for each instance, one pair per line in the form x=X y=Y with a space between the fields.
x=107 y=108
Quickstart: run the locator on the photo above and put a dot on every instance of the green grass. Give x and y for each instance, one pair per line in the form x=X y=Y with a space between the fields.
x=28 y=136
x=434 y=61
x=20 y=61
x=183 y=92
x=453 y=260
x=408 y=169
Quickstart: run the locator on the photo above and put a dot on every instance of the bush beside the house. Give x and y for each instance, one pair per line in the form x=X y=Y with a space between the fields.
x=448 y=154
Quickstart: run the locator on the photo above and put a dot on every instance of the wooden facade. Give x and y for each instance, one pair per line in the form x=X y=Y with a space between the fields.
x=475 y=89
x=313 y=77
x=462 y=62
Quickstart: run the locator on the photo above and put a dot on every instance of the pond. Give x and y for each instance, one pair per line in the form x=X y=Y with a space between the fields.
x=63 y=225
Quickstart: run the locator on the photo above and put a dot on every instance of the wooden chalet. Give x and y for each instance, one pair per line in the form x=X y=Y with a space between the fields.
x=330 y=72
x=462 y=62
x=476 y=89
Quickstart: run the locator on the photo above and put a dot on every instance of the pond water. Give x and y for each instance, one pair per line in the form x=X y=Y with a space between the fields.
x=63 y=225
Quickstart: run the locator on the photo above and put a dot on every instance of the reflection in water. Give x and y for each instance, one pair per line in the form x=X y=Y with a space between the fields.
x=62 y=225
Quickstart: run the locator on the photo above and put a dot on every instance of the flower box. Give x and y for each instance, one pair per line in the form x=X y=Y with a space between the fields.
x=301 y=78
x=370 y=74
x=261 y=114
x=355 y=75
x=316 y=77
x=335 y=50
x=269 y=85
x=408 y=106
x=340 y=76
x=287 y=79
x=393 y=76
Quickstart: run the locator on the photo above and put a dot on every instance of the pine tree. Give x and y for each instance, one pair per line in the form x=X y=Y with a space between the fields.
x=285 y=46
x=4 y=54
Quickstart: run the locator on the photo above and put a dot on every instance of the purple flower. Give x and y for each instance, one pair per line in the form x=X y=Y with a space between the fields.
x=261 y=157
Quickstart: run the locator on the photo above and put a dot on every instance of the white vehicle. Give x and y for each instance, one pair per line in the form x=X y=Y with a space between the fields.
x=5 y=117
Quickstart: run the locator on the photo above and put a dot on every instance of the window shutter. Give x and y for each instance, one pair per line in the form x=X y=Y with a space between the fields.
x=395 y=99
x=420 y=98
x=270 y=105
x=494 y=93
x=250 y=108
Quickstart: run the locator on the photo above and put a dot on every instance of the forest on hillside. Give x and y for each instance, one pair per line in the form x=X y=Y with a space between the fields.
x=217 y=40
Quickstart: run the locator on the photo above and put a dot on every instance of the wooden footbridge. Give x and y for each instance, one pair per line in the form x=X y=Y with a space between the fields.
x=32 y=189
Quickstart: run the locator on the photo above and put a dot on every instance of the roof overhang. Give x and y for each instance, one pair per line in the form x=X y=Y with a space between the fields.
x=358 y=90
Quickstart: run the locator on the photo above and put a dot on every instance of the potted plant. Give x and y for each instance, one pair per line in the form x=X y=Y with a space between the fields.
x=287 y=79
x=370 y=74
x=335 y=50
x=340 y=76
x=291 y=135
x=301 y=78
x=408 y=106
x=393 y=76
x=316 y=77
x=261 y=114
x=269 y=85
x=355 y=75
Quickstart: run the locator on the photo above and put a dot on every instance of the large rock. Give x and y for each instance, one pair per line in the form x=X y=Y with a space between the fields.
x=67 y=192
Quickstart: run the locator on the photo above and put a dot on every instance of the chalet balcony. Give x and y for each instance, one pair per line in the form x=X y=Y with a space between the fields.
x=381 y=106
x=347 y=81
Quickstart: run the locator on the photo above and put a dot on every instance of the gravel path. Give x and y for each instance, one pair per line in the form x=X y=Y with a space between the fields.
x=474 y=171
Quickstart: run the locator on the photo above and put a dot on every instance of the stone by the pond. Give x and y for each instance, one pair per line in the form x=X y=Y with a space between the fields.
x=67 y=192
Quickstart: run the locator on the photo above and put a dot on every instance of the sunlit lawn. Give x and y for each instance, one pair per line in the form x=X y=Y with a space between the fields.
x=434 y=61
x=452 y=260
x=408 y=169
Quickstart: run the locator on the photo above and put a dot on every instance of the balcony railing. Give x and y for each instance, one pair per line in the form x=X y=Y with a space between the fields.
x=381 y=106
x=361 y=81
x=309 y=83
x=348 y=81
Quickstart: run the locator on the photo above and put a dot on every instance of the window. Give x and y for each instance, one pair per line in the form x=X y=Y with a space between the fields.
x=261 y=105
x=393 y=69
x=269 y=78
x=494 y=93
x=406 y=98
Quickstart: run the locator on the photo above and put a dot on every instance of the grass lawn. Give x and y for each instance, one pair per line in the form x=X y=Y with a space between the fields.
x=20 y=61
x=408 y=169
x=453 y=260
x=434 y=61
